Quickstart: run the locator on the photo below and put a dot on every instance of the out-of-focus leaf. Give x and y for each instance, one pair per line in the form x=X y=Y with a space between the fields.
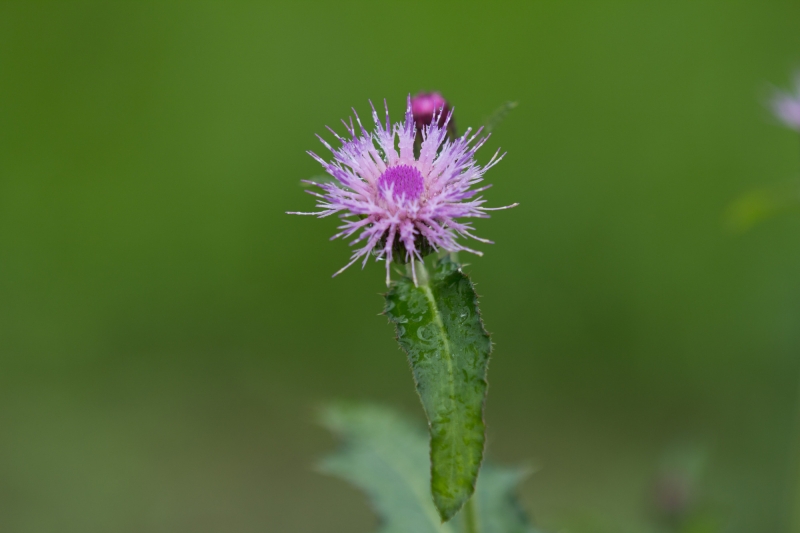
x=497 y=116
x=386 y=456
x=761 y=204
x=702 y=523
x=439 y=327
x=496 y=504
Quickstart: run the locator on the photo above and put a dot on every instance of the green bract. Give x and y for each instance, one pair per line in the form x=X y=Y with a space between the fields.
x=439 y=327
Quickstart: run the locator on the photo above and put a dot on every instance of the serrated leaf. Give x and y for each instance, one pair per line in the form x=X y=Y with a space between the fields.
x=439 y=327
x=386 y=456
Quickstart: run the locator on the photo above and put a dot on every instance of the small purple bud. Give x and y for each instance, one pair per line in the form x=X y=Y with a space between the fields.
x=673 y=495
x=424 y=105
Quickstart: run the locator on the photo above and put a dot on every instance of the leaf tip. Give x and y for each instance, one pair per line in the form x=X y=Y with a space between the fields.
x=448 y=507
x=445 y=514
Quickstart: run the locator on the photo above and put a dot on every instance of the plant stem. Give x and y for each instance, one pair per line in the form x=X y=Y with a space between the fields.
x=794 y=516
x=422 y=272
x=470 y=517
x=795 y=469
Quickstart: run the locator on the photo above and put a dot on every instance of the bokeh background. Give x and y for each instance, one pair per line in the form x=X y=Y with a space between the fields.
x=167 y=333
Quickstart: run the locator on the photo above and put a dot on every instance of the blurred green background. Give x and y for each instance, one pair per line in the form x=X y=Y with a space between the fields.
x=167 y=332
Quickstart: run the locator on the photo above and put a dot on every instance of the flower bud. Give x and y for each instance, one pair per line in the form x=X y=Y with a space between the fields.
x=423 y=107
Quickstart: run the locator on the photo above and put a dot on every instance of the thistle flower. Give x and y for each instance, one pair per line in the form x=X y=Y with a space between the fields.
x=402 y=206
x=786 y=106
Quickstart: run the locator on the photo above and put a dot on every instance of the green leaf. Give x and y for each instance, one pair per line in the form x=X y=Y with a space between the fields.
x=497 y=116
x=761 y=204
x=439 y=327
x=385 y=455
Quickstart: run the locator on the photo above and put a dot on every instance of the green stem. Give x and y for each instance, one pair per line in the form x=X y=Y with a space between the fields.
x=422 y=273
x=795 y=469
x=470 y=517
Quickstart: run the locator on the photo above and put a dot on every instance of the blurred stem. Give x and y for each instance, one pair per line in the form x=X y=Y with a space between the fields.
x=452 y=255
x=795 y=503
x=470 y=517
x=795 y=469
x=422 y=273
x=418 y=267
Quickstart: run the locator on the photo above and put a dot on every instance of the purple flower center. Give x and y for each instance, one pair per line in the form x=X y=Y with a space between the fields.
x=404 y=180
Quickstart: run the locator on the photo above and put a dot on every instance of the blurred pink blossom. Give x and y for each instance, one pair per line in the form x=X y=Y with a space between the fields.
x=786 y=106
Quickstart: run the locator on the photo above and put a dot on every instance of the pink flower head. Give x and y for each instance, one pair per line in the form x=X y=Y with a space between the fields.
x=786 y=106
x=425 y=105
x=397 y=204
